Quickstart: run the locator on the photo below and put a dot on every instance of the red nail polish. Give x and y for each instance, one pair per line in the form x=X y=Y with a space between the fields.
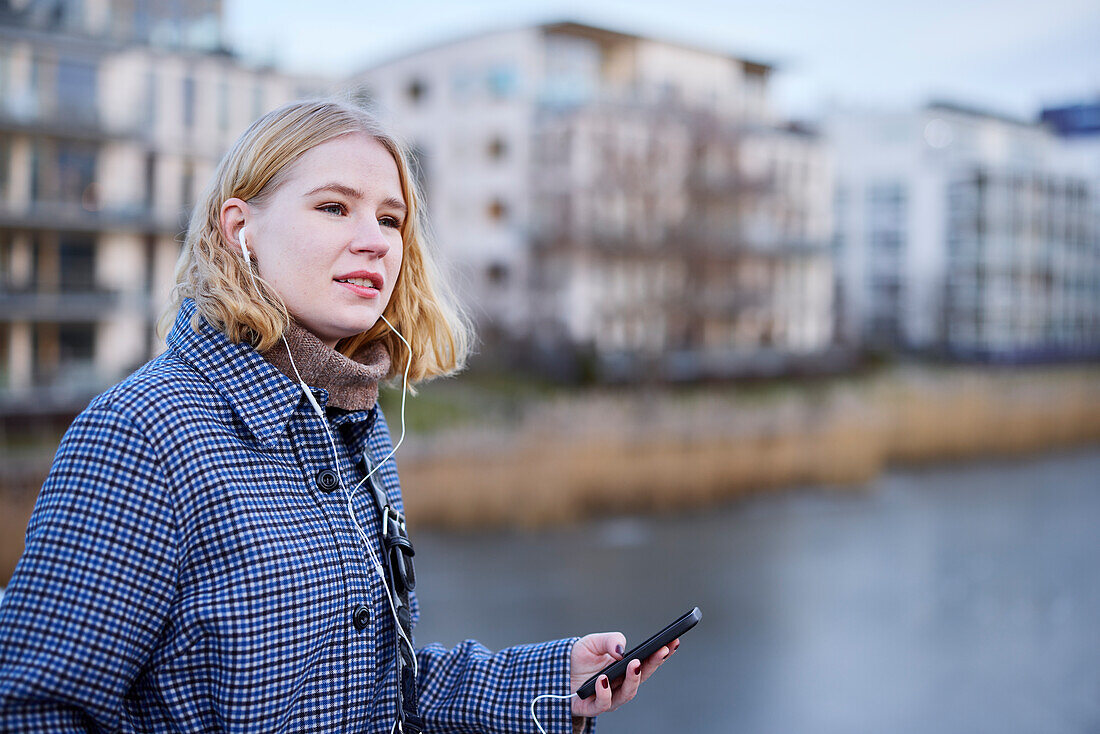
x=619 y=649
x=605 y=683
x=638 y=671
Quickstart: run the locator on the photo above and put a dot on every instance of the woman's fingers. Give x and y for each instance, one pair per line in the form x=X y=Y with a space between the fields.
x=654 y=661
x=603 y=694
x=597 y=650
x=605 y=643
x=629 y=688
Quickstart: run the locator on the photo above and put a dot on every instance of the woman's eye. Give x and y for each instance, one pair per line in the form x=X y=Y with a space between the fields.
x=332 y=209
x=390 y=222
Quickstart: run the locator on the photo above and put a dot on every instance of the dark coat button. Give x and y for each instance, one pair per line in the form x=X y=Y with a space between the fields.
x=360 y=617
x=327 y=480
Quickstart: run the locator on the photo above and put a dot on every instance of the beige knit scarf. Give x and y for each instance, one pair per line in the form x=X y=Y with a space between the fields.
x=352 y=383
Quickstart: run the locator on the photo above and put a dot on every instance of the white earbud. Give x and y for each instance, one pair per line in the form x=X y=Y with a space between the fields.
x=244 y=247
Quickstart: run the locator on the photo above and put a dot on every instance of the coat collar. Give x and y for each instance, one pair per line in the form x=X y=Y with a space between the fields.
x=261 y=396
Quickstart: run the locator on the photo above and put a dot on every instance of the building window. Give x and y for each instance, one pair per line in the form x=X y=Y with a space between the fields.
x=150 y=339
x=419 y=161
x=497 y=273
x=188 y=102
x=34 y=93
x=497 y=148
x=503 y=81
x=223 y=105
x=140 y=20
x=75 y=343
x=76 y=263
x=187 y=184
x=150 y=180
x=6 y=278
x=58 y=14
x=572 y=70
x=5 y=73
x=497 y=210
x=463 y=84
x=5 y=166
x=75 y=174
x=887 y=241
x=416 y=90
x=150 y=99
x=150 y=260
x=44 y=349
x=76 y=90
x=5 y=356
x=886 y=203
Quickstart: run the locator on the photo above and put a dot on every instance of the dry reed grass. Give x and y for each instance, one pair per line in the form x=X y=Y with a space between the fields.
x=573 y=459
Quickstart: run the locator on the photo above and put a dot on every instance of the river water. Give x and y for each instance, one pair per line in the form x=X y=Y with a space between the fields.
x=957 y=599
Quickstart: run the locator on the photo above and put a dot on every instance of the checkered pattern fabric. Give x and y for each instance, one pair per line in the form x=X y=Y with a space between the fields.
x=185 y=570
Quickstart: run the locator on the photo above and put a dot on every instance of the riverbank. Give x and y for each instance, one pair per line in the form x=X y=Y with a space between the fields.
x=484 y=456
x=565 y=458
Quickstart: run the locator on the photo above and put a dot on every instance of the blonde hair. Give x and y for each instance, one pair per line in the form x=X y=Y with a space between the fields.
x=212 y=272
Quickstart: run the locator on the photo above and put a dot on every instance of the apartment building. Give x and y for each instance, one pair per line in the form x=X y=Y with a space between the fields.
x=606 y=191
x=112 y=115
x=965 y=233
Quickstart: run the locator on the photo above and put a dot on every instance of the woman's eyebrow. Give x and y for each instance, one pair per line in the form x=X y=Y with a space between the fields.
x=338 y=188
x=393 y=203
x=353 y=193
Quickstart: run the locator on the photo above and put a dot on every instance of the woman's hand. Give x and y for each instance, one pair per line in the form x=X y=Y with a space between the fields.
x=594 y=652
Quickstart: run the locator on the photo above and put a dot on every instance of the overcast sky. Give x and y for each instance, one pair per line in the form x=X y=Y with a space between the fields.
x=1010 y=56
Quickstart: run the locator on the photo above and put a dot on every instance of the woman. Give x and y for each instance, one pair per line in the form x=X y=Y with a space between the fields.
x=206 y=553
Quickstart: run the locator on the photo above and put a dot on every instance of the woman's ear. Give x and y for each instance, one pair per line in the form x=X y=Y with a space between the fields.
x=231 y=220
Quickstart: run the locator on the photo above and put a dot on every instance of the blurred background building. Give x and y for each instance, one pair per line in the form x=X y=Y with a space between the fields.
x=615 y=205
x=1078 y=127
x=630 y=199
x=112 y=116
x=965 y=233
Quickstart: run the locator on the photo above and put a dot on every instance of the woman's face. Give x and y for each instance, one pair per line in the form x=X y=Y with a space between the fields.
x=329 y=238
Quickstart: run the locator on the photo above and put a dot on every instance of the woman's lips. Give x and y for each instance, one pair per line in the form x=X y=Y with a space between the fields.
x=362 y=291
x=368 y=284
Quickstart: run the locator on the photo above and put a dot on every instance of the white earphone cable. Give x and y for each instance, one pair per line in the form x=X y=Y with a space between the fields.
x=377 y=566
x=536 y=699
x=349 y=496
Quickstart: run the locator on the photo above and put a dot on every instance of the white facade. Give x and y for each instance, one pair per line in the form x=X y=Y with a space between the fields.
x=465 y=109
x=566 y=167
x=963 y=232
x=103 y=150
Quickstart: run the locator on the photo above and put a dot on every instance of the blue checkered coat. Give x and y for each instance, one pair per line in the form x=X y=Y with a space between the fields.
x=184 y=571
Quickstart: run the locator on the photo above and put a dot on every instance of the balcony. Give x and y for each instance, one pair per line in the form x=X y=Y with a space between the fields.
x=665 y=241
x=61 y=123
x=73 y=217
x=43 y=305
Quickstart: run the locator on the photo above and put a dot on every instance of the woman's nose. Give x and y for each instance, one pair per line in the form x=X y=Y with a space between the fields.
x=371 y=239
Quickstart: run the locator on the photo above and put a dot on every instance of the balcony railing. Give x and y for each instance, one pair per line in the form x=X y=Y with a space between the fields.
x=42 y=305
x=72 y=217
x=685 y=241
x=65 y=122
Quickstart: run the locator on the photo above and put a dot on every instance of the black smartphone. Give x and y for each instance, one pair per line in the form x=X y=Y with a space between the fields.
x=617 y=669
